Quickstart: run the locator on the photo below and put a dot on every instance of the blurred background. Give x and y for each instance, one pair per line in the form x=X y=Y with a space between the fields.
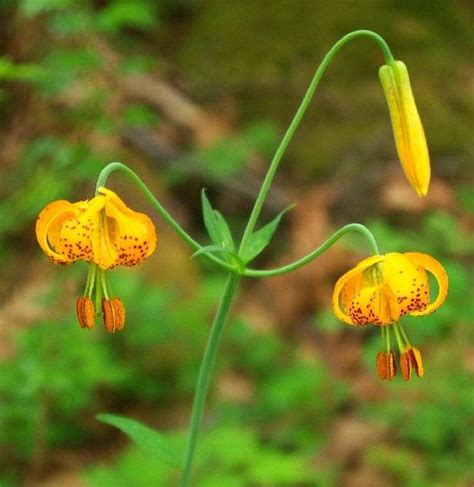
x=195 y=94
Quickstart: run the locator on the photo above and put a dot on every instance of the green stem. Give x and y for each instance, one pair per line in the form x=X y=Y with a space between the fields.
x=118 y=166
x=205 y=374
x=298 y=117
x=401 y=346
x=90 y=280
x=404 y=335
x=105 y=288
x=383 y=334
x=98 y=292
x=387 y=336
x=352 y=227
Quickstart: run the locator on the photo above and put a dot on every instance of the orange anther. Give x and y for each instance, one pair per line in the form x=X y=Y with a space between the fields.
x=386 y=365
x=85 y=312
x=405 y=365
x=415 y=361
x=114 y=314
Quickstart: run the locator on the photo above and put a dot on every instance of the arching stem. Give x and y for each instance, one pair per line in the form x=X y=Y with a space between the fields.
x=118 y=166
x=352 y=227
x=298 y=117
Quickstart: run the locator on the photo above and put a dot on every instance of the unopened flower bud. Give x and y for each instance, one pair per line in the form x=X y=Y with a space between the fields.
x=407 y=128
x=85 y=312
x=114 y=314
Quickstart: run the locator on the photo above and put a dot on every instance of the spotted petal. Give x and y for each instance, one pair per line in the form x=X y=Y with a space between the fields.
x=347 y=286
x=130 y=237
x=49 y=225
x=435 y=268
x=76 y=238
x=408 y=282
x=374 y=305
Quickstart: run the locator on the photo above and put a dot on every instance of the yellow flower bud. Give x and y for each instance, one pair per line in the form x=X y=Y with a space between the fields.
x=407 y=128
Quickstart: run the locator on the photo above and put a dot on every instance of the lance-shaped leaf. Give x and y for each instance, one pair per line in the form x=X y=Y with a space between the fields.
x=211 y=249
x=216 y=226
x=261 y=238
x=230 y=256
x=146 y=438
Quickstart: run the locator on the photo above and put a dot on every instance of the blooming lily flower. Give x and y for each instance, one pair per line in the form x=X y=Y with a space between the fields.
x=104 y=232
x=407 y=128
x=383 y=288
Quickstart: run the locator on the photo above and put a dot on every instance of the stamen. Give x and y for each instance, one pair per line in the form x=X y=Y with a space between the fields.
x=114 y=314
x=405 y=365
x=103 y=283
x=401 y=345
x=415 y=361
x=99 y=290
x=85 y=312
x=90 y=281
x=386 y=339
x=386 y=365
x=404 y=335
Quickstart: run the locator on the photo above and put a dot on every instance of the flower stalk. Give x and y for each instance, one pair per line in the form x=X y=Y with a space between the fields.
x=205 y=370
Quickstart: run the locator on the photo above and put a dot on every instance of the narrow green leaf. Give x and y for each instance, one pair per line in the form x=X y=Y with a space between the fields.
x=146 y=438
x=261 y=238
x=211 y=249
x=209 y=219
x=224 y=231
x=216 y=225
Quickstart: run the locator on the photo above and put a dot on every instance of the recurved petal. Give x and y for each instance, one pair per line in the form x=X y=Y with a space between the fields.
x=348 y=286
x=75 y=237
x=433 y=266
x=408 y=282
x=348 y=291
x=113 y=199
x=132 y=234
x=48 y=228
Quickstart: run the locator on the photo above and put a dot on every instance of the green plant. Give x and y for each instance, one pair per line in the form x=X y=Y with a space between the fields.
x=106 y=224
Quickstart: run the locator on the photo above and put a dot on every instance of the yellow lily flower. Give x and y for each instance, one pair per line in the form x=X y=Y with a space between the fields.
x=383 y=288
x=407 y=127
x=104 y=232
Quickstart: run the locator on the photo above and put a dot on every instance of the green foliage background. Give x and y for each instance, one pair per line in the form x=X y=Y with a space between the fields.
x=66 y=112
